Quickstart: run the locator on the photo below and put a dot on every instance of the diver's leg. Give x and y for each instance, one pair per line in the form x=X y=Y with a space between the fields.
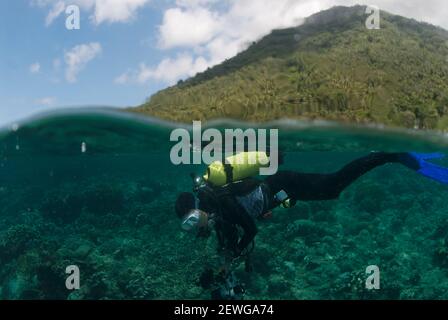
x=340 y=180
x=305 y=186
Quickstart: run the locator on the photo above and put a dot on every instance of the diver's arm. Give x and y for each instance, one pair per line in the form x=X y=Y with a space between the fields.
x=239 y=217
x=249 y=228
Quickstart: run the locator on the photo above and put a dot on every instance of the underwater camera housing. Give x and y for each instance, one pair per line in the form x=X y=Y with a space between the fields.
x=283 y=199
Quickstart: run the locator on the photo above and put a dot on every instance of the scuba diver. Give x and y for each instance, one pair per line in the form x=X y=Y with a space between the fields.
x=228 y=200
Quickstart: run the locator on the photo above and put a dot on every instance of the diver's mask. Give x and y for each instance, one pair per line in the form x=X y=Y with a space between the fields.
x=198 y=182
x=194 y=220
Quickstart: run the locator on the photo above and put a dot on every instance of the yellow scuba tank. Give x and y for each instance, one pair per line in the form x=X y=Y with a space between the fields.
x=240 y=166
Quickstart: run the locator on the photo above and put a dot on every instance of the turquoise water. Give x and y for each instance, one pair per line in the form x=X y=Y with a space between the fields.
x=109 y=210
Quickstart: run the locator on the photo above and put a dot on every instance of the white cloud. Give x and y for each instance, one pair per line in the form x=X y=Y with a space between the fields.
x=123 y=78
x=167 y=71
x=194 y=3
x=100 y=10
x=116 y=10
x=35 y=67
x=212 y=35
x=187 y=27
x=170 y=70
x=47 y=101
x=77 y=58
x=195 y=23
x=55 y=12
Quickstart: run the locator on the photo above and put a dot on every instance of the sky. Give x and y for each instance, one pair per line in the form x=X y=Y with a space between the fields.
x=126 y=50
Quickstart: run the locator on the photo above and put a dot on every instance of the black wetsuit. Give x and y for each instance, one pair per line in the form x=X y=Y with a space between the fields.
x=228 y=202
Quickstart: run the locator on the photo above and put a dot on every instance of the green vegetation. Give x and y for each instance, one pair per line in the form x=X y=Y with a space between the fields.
x=331 y=67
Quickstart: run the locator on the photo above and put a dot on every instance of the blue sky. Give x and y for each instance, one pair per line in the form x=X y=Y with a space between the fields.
x=26 y=40
x=126 y=50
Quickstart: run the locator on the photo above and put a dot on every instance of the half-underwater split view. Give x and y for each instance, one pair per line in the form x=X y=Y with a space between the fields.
x=232 y=150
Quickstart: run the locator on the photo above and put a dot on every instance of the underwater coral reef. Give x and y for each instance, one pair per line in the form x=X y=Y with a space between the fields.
x=108 y=208
x=119 y=228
